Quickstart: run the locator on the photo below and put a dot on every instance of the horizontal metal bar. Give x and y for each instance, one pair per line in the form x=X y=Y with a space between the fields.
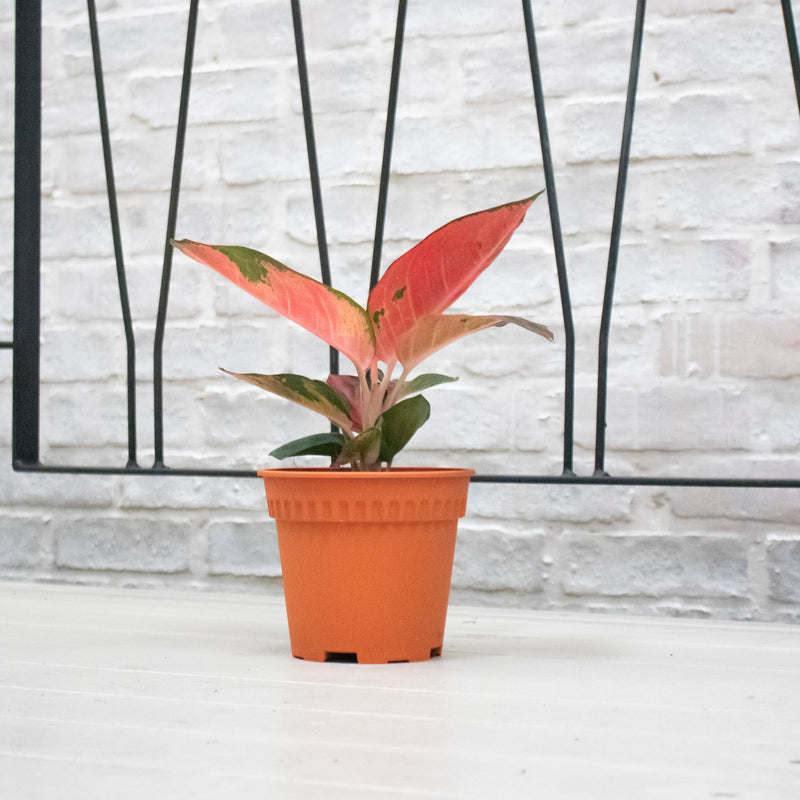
x=159 y=471
x=564 y=479
x=6 y=345
x=610 y=480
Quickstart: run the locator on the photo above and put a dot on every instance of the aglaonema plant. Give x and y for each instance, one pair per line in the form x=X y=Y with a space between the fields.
x=377 y=410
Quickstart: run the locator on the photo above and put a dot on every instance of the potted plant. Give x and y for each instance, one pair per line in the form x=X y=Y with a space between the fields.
x=367 y=548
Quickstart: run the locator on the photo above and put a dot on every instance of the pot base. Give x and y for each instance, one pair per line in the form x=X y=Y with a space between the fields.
x=366 y=657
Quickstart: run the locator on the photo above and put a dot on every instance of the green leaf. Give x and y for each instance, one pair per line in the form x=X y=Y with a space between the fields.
x=318 y=444
x=399 y=423
x=307 y=392
x=363 y=451
x=423 y=382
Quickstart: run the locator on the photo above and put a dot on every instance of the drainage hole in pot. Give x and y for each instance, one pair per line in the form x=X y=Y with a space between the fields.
x=436 y=651
x=342 y=658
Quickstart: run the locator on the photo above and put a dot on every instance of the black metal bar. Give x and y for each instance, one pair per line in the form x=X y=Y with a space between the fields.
x=558 y=242
x=134 y=470
x=27 y=231
x=313 y=166
x=116 y=236
x=27 y=221
x=791 y=40
x=561 y=480
x=388 y=143
x=172 y=215
x=613 y=251
x=609 y=480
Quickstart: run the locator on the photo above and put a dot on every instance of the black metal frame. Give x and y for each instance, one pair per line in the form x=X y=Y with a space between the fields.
x=27 y=220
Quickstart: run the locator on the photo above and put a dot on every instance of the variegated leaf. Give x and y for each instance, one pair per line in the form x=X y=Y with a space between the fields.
x=435 y=331
x=325 y=312
x=312 y=394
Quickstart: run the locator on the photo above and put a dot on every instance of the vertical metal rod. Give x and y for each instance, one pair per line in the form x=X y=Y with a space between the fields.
x=558 y=244
x=388 y=142
x=27 y=231
x=791 y=39
x=115 y=232
x=613 y=251
x=166 y=271
x=313 y=166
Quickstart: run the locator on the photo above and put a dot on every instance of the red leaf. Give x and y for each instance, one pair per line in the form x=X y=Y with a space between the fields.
x=323 y=311
x=435 y=273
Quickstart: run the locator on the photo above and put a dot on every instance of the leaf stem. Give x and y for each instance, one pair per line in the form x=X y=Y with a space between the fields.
x=391 y=397
x=364 y=392
x=379 y=392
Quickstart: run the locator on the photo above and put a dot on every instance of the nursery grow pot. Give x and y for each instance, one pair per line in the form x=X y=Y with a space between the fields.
x=366 y=559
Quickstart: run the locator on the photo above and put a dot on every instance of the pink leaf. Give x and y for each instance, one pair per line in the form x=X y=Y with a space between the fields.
x=323 y=311
x=349 y=387
x=431 y=276
x=434 y=331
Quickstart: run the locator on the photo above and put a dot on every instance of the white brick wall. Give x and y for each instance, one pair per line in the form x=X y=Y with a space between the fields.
x=705 y=348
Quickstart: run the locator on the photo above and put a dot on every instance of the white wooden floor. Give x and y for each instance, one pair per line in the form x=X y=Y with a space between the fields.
x=119 y=694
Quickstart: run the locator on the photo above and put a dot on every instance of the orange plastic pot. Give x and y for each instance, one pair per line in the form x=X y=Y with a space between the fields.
x=366 y=559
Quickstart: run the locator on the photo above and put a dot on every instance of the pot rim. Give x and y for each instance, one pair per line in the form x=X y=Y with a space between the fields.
x=385 y=474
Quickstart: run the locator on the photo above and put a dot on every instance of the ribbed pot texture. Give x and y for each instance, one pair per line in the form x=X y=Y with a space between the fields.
x=366 y=559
